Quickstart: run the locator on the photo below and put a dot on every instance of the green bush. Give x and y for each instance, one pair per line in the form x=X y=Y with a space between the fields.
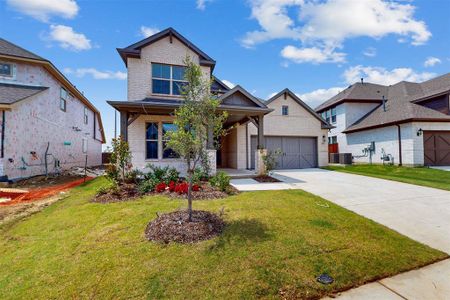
x=149 y=184
x=112 y=187
x=162 y=174
x=199 y=175
x=221 y=181
x=112 y=173
x=133 y=176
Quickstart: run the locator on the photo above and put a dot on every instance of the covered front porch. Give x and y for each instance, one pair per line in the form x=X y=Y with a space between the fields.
x=230 y=153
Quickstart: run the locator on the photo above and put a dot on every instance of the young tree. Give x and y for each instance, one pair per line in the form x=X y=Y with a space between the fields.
x=120 y=158
x=194 y=119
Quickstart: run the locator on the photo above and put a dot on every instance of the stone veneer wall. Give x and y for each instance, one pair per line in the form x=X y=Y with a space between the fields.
x=33 y=122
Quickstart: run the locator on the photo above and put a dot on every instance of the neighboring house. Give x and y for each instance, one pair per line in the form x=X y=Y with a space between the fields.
x=407 y=122
x=47 y=125
x=155 y=72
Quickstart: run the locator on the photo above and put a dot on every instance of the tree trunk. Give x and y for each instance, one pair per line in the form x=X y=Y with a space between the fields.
x=190 y=173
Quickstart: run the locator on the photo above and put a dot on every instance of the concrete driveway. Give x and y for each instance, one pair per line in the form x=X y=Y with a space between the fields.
x=420 y=213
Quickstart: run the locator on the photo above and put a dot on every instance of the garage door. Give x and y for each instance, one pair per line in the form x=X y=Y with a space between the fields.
x=436 y=146
x=297 y=152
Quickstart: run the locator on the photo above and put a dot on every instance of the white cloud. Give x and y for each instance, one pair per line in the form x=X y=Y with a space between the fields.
x=317 y=97
x=228 y=83
x=148 y=31
x=313 y=55
x=381 y=75
x=327 y=24
x=44 y=9
x=431 y=61
x=69 y=39
x=201 y=4
x=96 y=74
x=370 y=52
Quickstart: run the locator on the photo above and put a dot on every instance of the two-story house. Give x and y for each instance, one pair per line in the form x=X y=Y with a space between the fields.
x=47 y=125
x=155 y=72
x=405 y=123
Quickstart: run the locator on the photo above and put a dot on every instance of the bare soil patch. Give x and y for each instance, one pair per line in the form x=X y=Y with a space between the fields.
x=266 y=178
x=175 y=227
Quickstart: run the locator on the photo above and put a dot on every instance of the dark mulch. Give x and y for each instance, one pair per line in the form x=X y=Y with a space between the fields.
x=126 y=192
x=206 y=192
x=175 y=227
x=266 y=178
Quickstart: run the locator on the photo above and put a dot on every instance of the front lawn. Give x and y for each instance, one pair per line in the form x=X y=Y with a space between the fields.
x=275 y=244
x=420 y=176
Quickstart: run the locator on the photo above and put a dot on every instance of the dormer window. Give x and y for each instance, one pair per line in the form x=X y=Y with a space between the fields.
x=167 y=79
x=6 y=70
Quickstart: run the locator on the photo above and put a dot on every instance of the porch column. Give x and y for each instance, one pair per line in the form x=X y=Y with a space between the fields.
x=124 y=125
x=261 y=132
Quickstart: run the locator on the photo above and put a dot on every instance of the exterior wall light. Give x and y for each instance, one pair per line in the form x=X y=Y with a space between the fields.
x=324 y=139
x=419 y=132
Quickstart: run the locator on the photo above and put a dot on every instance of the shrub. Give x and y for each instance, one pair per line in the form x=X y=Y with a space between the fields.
x=196 y=188
x=270 y=160
x=112 y=188
x=182 y=188
x=172 y=186
x=199 y=175
x=148 y=184
x=112 y=173
x=162 y=174
x=160 y=187
x=221 y=181
x=133 y=176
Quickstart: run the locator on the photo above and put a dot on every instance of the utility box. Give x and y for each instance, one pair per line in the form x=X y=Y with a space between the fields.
x=334 y=158
x=345 y=158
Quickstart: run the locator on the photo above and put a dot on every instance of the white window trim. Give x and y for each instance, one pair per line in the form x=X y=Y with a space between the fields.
x=86 y=116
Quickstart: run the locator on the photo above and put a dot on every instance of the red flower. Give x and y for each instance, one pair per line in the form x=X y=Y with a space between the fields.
x=196 y=188
x=160 y=187
x=182 y=188
x=172 y=186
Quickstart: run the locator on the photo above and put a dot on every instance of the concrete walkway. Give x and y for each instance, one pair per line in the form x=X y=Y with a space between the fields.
x=420 y=213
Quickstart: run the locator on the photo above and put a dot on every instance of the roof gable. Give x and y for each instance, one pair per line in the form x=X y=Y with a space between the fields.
x=286 y=92
x=134 y=50
x=238 y=96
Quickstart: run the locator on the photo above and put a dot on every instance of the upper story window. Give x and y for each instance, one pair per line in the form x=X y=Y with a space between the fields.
x=285 y=110
x=86 y=118
x=330 y=115
x=6 y=70
x=167 y=79
x=333 y=115
x=64 y=95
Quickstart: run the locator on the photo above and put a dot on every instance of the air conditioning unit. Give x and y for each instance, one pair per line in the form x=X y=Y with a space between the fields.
x=345 y=158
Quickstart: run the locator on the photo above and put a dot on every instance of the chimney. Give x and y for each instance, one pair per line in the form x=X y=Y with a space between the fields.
x=362 y=80
x=384 y=104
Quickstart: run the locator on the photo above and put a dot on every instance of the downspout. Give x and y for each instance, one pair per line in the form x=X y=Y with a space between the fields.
x=3 y=134
x=400 y=163
x=246 y=146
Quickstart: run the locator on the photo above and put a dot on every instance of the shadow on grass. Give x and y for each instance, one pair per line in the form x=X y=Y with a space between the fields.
x=242 y=232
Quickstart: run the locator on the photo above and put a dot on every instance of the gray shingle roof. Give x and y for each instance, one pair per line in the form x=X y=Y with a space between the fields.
x=12 y=93
x=358 y=91
x=10 y=49
x=400 y=106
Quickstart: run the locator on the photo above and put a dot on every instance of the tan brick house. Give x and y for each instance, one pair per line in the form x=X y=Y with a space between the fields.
x=155 y=72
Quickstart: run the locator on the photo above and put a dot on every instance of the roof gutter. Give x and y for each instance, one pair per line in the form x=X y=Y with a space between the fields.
x=396 y=123
x=399 y=131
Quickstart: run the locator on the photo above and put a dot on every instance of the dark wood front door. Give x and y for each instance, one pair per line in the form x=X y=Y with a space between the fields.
x=436 y=146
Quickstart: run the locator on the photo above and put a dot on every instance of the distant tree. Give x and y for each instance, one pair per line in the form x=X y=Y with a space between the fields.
x=194 y=118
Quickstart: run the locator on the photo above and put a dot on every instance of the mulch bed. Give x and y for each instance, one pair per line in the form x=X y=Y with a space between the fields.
x=126 y=192
x=175 y=227
x=266 y=178
x=206 y=192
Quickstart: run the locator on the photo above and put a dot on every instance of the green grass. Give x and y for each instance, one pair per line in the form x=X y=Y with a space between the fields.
x=276 y=241
x=420 y=176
